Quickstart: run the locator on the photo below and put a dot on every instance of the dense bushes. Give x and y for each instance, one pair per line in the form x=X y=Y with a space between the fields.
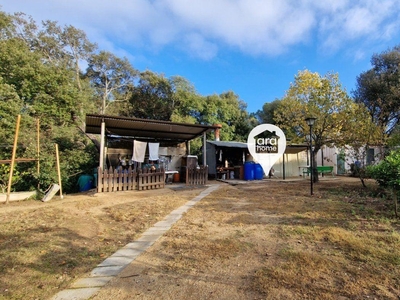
x=387 y=174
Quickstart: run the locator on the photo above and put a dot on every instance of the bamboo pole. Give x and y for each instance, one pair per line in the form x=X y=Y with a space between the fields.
x=38 y=150
x=58 y=171
x=13 y=159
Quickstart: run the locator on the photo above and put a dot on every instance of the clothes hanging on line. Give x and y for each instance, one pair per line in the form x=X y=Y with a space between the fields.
x=139 y=151
x=153 y=151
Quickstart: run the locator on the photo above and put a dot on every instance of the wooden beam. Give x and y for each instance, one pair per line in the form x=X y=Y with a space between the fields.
x=59 y=171
x=13 y=159
x=7 y=161
x=102 y=144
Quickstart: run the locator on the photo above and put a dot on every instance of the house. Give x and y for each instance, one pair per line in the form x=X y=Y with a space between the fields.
x=344 y=158
x=225 y=157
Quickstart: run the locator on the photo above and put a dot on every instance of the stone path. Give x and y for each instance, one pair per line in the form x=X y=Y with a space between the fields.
x=85 y=288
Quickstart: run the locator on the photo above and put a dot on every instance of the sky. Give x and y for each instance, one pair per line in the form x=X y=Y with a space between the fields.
x=254 y=48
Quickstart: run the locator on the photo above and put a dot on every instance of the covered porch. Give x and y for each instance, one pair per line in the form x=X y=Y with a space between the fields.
x=138 y=174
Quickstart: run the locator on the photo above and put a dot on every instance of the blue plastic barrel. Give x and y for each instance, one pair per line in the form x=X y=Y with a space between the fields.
x=249 y=170
x=258 y=172
x=85 y=182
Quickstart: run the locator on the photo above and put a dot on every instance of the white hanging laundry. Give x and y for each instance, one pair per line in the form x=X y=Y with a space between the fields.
x=153 y=151
x=139 y=151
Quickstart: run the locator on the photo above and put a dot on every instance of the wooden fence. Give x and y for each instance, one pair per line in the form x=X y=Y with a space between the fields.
x=113 y=180
x=148 y=179
x=197 y=176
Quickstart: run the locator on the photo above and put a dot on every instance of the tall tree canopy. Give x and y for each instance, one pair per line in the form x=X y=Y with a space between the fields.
x=379 y=90
x=112 y=77
x=40 y=85
x=340 y=121
x=153 y=97
x=41 y=78
x=266 y=114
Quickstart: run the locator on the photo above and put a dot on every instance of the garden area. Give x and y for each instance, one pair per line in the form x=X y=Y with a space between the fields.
x=258 y=240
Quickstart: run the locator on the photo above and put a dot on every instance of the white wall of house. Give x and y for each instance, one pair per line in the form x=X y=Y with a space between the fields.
x=342 y=158
x=293 y=164
x=173 y=155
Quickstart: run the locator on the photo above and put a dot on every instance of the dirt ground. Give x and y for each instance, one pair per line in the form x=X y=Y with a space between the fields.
x=244 y=241
x=221 y=247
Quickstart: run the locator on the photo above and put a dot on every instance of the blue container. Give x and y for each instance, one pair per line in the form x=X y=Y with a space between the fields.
x=258 y=172
x=249 y=170
x=85 y=182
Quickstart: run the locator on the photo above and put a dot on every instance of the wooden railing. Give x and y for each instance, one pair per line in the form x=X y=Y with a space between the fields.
x=197 y=176
x=113 y=180
x=151 y=179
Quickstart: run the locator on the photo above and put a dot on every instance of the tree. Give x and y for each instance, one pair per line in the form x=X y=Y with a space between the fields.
x=76 y=44
x=340 y=121
x=153 y=97
x=39 y=88
x=188 y=103
x=112 y=77
x=221 y=109
x=386 y=173
x=266 y=115
x=379 y=90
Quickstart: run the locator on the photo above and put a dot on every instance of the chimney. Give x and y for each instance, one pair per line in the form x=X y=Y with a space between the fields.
x=217 y=131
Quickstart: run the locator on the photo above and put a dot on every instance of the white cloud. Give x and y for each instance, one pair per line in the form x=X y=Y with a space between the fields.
x=359 y=22
x=198 y=47
x=257 y=27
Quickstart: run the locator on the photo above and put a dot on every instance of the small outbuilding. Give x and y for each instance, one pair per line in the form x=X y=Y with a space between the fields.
x=226 y=159
x=156 y=148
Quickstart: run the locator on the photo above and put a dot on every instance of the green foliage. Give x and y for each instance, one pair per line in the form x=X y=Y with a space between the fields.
x=379 y=90
x=266 y=115
x=387 y=172
x=339 y=121
x=112 y=78
x=5 y=175
x=38 y=81
x=41 y=80
x=153 y=97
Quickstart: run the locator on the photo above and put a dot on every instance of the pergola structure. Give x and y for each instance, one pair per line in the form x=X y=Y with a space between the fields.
x=145 y=129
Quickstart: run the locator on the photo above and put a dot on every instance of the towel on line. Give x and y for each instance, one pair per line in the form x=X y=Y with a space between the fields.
x=139 y=151
x=153 y=151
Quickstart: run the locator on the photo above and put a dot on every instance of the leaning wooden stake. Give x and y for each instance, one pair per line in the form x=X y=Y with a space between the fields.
x=58 y=170
x=13 y=159
x=38 y=149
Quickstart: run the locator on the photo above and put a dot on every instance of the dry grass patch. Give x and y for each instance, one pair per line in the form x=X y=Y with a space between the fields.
x=271 y=240
x=45 y=246
x=268 y=240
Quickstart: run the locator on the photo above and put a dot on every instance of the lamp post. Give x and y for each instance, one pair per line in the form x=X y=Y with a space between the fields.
x=310 y=122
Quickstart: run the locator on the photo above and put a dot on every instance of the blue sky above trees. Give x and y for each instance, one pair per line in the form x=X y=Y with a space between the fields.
x=252 y=47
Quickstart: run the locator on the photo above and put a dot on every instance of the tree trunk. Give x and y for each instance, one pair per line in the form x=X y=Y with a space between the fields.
x=314 y=162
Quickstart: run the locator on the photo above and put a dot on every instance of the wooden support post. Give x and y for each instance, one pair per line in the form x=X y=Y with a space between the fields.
x=38 y=149
x=58 y=171
x=13 y=159
x=102 y=143
x=204 y=149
